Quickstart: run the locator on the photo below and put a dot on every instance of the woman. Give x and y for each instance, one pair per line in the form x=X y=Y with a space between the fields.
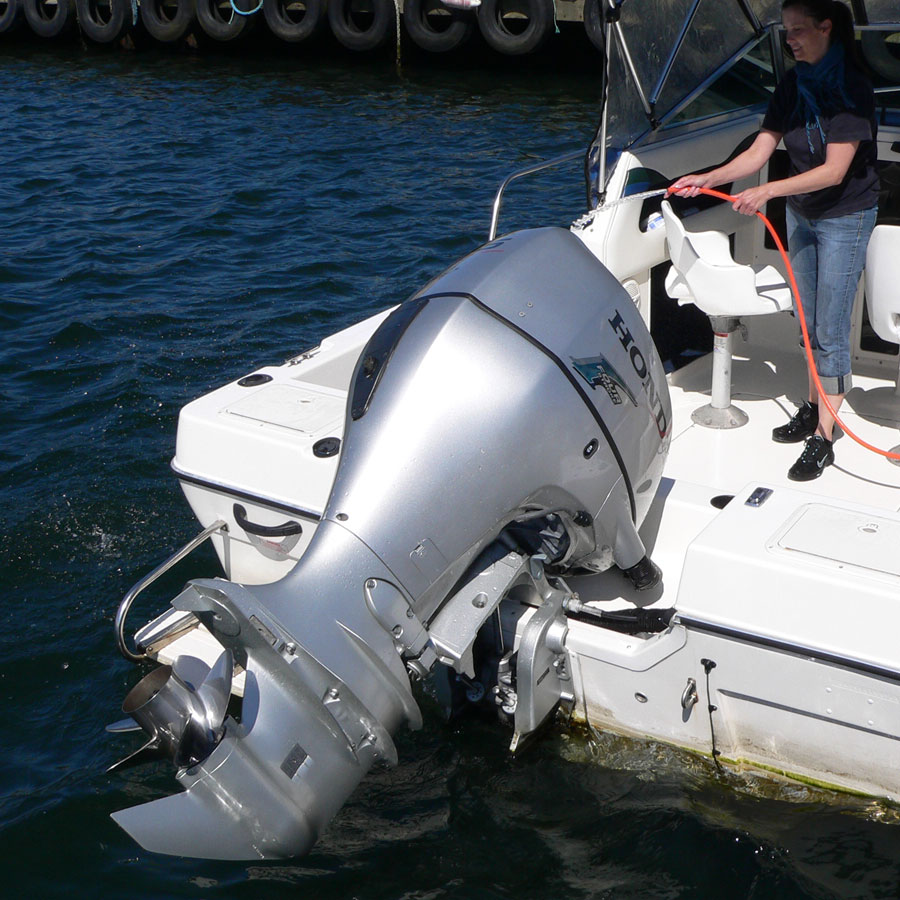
x=824 y=110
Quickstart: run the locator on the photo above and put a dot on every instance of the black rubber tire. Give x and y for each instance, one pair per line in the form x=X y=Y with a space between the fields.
x=283 y=21
x=500 y=33
x=368 y=32
x=878 y=55
x=220 y=22
x=50 y=21
x=10 y=15
x=168 y=21
x=105 y=21
x=419 y=21
x=593 y=24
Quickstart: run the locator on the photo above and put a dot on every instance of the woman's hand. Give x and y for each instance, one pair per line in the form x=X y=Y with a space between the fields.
x=747 y=163
x=689 y=185
x=751 y=201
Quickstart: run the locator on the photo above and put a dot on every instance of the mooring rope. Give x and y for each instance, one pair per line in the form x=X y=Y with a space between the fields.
x=241 y=13
x=397 y=17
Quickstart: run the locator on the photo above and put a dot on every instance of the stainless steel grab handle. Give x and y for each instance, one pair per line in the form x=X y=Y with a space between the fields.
x=128 y=599
x=521 y=173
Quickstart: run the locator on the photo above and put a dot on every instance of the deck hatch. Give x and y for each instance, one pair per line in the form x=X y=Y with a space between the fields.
x=296 y=408
x=843 y=538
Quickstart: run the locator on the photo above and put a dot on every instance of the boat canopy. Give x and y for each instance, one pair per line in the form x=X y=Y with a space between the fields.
x=662 y=54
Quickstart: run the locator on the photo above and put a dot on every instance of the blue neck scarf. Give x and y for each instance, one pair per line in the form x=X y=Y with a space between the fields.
x=820 y=89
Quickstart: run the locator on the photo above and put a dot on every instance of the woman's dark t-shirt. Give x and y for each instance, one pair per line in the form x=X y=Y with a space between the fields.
x=859 y=189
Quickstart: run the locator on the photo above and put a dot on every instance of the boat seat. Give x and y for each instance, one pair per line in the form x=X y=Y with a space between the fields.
x=882 y=280
x=704 y=273
x=883 y=302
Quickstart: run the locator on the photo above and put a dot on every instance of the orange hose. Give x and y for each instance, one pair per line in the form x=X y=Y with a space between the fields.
x=809 y=357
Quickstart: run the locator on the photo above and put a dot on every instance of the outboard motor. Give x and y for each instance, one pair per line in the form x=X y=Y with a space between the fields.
x=517 y=394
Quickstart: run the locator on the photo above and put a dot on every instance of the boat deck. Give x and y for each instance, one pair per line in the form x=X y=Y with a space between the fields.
x=768 y=382
x=727 y=460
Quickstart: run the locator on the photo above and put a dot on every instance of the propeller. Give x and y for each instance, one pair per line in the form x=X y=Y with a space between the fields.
x=182 y=710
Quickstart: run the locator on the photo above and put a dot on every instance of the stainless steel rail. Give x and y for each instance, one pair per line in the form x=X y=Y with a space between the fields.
x=128 y=599
x=521 y=173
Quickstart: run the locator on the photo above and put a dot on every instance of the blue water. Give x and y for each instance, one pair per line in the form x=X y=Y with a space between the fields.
x=169 y=222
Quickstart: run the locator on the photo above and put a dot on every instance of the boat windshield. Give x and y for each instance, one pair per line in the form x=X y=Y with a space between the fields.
x=749 y=82
x=671 y=61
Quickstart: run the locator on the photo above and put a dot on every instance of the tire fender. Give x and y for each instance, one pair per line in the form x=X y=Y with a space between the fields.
x=50 y=21
x=168 y=20
x=593 y=24
x=494 y=28
x=282 y=18
x=97 y=27
x=877 y=54
x=366 y=36
x=10 y=16
x=219 y=21
x=419 y=25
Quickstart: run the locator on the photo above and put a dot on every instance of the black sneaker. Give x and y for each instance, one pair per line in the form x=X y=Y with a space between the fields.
x=815 y=456
x=802 y=425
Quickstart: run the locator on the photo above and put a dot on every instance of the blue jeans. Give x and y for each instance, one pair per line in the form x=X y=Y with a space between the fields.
x=828 y=256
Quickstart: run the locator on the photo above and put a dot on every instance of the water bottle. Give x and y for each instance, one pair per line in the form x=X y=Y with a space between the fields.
x=653 y=221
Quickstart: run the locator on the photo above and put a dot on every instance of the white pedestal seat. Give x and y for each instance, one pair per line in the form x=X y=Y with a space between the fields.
x=704 y=273
x=883 y=301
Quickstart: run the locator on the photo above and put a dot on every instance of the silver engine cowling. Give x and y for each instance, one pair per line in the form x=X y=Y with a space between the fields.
x=521 y=386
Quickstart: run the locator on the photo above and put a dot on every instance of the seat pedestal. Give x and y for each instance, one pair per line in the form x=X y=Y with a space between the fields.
x=704 y=273
x=879 y=403
x=720 y=413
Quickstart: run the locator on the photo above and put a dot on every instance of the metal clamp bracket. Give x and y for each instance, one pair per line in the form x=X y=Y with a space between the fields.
x=542 y=676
